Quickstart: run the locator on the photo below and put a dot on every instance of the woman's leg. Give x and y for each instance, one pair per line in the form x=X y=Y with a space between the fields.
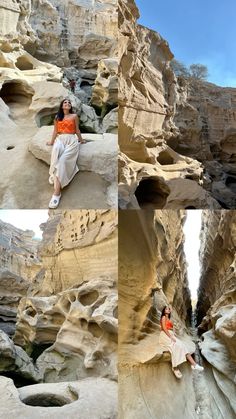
x=190 y=359
x=57 y=186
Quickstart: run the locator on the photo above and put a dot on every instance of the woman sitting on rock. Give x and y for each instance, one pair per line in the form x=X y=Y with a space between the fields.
x=169 y=342
x=65 y=140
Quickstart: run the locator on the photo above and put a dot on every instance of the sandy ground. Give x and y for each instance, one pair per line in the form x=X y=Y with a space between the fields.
x=24 y=179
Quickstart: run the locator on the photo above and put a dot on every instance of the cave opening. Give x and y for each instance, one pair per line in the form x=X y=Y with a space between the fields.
x=164 y=158
x=150 y=193
x=231 y=183
x=18 y=379
x=16 y=92
x=24 y=64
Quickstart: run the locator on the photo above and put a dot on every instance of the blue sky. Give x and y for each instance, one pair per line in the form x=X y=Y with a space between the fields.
x=198 y=31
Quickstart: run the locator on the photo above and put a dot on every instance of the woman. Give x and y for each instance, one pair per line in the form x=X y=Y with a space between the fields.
x=65 y=140
x=169 y=342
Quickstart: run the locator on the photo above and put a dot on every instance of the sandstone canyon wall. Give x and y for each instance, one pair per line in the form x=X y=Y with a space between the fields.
x=216 y=309
x=176 y=135
x=152 y=273
x=43 y=46
x=66 y=329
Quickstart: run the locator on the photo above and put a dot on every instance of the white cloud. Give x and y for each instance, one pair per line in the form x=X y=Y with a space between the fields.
x=192 y=229
x=25 y=219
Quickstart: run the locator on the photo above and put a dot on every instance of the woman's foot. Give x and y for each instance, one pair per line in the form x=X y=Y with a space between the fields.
x=54 y=201
x=197 y=367
x=177 y=373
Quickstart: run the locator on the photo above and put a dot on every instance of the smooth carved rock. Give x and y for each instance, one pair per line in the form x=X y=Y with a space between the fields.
x=216 y=308
x=81 y=398
x=98 y=155
x=152 y=274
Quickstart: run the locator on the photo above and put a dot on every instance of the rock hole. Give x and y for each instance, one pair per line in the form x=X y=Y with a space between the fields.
x=150 y=191
x=15 y=92
x=231 y=183
x=190 y=207
x=45 y=400
x=89 y=298
x=24 y=64
x=94 y=329
x=10 y=147
x=83 y=324
x=164 y=158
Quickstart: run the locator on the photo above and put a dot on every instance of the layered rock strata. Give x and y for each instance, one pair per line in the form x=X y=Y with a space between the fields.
x=176 y=135
x=216 y=308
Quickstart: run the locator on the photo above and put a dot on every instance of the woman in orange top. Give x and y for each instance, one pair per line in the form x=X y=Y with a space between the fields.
x=65 y=141
x=169 y=342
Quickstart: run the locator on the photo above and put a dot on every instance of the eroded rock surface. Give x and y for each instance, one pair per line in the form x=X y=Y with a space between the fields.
x=170 y=129
x=75 y=300
x=216 y=309
x=67 y=324
x=44 y=46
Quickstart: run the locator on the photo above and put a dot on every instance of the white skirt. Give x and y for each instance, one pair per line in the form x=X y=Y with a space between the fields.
x=64 y=157
x=177 y=349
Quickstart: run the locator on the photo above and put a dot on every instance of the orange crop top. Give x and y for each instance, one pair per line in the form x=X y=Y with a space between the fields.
x=169 y=324
x=66 y=126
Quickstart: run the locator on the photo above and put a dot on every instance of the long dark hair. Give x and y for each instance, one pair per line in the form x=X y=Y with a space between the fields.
x=60 y=114
x=163 y=313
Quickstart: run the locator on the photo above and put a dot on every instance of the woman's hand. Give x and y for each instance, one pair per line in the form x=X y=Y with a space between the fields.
x=50 y=142
x=173 y=339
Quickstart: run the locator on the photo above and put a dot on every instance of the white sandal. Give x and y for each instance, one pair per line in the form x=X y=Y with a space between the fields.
x=54 y=201
x=177 y=373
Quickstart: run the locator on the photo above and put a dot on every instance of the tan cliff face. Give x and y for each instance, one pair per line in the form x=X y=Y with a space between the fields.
x=71 y=307
x=152 y=275
x=152 y=270
x=216 y=308
x=176 y=135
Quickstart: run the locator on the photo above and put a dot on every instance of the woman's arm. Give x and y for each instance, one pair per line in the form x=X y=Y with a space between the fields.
x=78 y=130
x=163 y=324
x=54 y=134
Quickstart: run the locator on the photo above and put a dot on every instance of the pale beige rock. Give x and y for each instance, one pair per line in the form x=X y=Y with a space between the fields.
x=34 y=37
x=98 y=155
x=69 y=33
x=62 y=400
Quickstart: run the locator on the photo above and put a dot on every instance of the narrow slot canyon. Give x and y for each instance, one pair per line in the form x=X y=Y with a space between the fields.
x=155 y=271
